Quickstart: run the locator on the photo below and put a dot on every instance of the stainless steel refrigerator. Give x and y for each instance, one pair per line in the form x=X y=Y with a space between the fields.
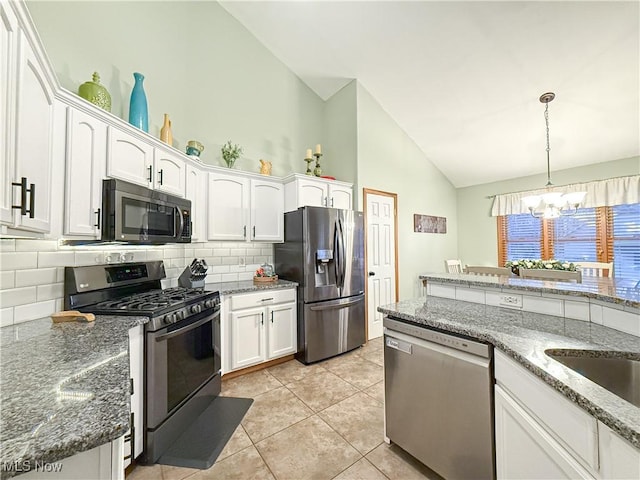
x=324 y=252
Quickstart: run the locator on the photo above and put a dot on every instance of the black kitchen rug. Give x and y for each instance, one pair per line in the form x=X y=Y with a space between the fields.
x=200 y=445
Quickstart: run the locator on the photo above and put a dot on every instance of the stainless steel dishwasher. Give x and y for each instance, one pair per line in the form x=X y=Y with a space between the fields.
x=439 y=399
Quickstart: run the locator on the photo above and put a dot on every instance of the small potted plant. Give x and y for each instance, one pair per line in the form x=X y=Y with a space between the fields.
x=230 y=153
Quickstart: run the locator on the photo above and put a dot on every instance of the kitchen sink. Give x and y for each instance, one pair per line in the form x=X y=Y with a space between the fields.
x=618 y=374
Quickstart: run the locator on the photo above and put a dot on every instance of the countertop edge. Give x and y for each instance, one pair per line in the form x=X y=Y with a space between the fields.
x=248 y=286
x=605 y=417
x=527 y=285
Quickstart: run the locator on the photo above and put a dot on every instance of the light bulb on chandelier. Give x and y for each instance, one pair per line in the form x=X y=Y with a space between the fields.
x=553 y=203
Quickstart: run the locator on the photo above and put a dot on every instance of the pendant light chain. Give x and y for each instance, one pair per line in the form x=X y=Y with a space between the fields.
x=546 y=119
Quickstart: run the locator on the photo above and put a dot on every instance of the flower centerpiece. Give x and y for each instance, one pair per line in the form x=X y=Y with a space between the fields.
x=230 y=153
x=265 y=274
x=553 y=264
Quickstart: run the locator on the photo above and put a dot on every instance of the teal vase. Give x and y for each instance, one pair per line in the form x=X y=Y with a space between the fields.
x=138 y=112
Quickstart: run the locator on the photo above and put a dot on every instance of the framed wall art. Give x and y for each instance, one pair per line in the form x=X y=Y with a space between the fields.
x=429 y=224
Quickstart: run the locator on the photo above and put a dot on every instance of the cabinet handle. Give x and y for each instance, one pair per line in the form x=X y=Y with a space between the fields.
x=325 y=201
x=150 y=167
x=23 y=197
x=262 y=319
x=97 y=219
x=332 y=201
x=160 y=175
x=266 y=299
x=244 y=231
x=271 y=316
x=254 y=231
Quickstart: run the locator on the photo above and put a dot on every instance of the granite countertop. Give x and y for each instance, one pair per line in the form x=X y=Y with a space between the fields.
x=64 y=388
x=246 y=286
x=610 y=290
x=524 y=336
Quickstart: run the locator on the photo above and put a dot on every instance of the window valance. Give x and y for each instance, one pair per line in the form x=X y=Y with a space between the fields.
x=600 y=193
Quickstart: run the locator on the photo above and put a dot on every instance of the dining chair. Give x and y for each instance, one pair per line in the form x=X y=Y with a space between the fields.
x=555 y=275
x=488 y=271
x=596 y=269
x=453 y=266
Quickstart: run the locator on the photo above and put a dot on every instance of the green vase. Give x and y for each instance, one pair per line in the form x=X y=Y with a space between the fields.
x=95 y=93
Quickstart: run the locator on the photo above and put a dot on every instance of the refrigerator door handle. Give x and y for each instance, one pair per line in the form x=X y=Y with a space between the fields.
x=333 y=306
x=337 y=253
x=342 y=254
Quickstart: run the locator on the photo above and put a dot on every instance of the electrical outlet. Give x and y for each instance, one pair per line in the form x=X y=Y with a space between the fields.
x=241 y=261
x=514 y=301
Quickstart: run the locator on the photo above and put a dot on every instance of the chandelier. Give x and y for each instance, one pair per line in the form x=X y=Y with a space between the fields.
x=553 y=203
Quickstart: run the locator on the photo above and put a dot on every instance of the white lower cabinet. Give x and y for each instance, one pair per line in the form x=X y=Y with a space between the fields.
x=99 y=463
x=540 y=434
x=260 y=326
x=133 y=439
x=618 y=458
x=524 y=450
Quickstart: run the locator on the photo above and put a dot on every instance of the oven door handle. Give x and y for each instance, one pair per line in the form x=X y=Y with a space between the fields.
x=182 y=330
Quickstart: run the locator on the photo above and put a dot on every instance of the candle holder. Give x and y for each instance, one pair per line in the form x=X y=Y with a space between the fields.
x=309 y=171
x=317 y=171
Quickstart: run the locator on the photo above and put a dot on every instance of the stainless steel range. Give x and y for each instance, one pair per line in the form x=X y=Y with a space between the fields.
x=181 y=347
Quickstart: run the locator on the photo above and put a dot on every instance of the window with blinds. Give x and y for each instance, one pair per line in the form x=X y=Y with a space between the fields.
x=603 y=234
x=575 y=237
x=626 y=241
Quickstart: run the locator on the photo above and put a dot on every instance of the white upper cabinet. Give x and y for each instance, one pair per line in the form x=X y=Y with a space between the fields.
x=228 y=207
x=244 y=208
x=130 y=158
x=169 y=173
x=304 y=190
x=267 y=210
x=196 y=191
x=27 y=122
x=86 y=149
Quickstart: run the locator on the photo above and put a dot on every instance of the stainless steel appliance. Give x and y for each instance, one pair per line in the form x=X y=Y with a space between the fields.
x=439 y=399
x=135 y=214
x=182 y=341
x=324 y=252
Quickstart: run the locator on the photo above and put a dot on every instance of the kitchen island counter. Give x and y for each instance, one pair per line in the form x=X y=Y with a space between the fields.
x=64 y=388
x=524 y=336
x=604 y=289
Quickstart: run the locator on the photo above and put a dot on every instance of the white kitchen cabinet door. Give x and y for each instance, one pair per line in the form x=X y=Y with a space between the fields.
x=247 y=337
x=618 y=458
x=282 y=330
x=34 y=113
x=129 y=158
x=312 y=193
x=228 y=207
x=524 y=449
x=196 y=191
x=169 y=173
x=340 y=196
x=86 y=148
x=267 y=210
x=136 y=369
x=8 y=59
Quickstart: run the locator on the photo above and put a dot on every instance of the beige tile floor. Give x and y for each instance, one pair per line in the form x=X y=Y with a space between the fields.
x=319 y=421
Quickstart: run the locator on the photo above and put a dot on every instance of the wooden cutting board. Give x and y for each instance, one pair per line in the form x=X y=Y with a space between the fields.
x=72 y=316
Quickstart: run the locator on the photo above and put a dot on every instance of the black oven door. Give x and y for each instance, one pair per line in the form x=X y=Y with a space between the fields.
x=180 y=360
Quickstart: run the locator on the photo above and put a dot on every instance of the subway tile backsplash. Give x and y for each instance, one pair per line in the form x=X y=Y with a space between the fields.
x=32 y=271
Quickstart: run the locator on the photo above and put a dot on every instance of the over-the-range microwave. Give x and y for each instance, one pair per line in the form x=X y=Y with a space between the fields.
x=135 y=214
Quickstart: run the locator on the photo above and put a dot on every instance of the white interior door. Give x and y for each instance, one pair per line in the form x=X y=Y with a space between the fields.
x=381 y=257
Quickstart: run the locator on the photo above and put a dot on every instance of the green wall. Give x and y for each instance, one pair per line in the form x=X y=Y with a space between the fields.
x=477 y=230
x=389 y=160
x=216 y=81
x=341 y=131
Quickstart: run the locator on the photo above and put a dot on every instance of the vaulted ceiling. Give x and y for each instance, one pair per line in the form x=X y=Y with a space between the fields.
x=463 y=79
